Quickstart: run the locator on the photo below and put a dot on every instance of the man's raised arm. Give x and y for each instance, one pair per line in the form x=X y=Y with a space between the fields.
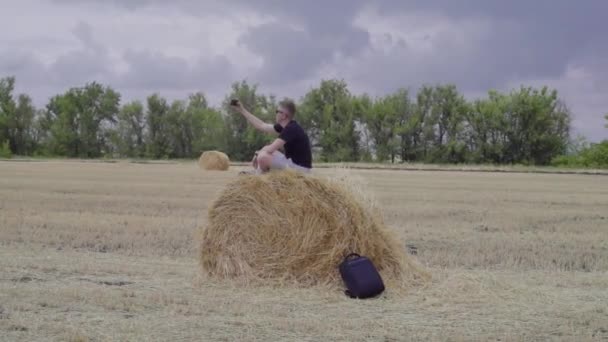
x=253 y=120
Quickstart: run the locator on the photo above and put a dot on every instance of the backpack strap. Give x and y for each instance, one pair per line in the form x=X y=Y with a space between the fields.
x=352 y=256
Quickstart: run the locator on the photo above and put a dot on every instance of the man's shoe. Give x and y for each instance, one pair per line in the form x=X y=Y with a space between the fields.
x=250 y=172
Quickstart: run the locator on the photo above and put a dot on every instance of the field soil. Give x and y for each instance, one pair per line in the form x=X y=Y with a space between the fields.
x=108 y=252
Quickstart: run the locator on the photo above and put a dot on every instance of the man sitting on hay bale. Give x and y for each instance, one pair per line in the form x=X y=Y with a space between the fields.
x=292 y=138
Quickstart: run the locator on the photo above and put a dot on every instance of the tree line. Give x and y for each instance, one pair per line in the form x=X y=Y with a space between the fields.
x=436 y=124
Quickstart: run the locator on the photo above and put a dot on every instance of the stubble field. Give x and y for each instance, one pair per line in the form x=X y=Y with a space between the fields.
x=108 y=252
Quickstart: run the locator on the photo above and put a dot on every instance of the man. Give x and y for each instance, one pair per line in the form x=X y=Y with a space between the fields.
x=291 y=137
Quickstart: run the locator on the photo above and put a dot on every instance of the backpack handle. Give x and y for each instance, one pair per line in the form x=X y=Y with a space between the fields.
x=352 y=255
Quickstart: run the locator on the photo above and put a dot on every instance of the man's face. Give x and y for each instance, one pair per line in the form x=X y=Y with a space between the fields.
x=282 y=114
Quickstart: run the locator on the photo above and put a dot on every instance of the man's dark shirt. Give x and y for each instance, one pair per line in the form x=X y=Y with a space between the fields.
x=297 y=144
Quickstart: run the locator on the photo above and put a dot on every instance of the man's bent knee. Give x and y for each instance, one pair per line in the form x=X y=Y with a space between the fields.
x=264 y=160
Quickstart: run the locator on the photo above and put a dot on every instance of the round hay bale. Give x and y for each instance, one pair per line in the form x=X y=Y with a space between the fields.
x=214 y=160
x=288 y=227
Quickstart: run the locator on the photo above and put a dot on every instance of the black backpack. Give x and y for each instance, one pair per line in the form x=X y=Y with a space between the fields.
x=360 y=276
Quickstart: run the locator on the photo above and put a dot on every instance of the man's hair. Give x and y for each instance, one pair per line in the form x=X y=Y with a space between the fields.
x=290 y=106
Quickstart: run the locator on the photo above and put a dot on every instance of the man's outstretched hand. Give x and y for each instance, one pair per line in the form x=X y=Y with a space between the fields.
x=252 y=119
x=236 y=105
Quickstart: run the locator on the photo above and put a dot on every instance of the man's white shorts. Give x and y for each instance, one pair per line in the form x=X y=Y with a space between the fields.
x=280 y=162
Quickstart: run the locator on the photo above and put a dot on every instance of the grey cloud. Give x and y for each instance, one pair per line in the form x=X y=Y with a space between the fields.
x=528 y=38
x=536 y=38
x=70 y=69
x=129 y=4
x=146 y=71
x=89 y=62
x=571 y=16
x=188 y=7
x=25 y=66
x=288 y=54
x=84 y=33
x=515 y=41
x=154 y=70
x=330 y=17
x=295 y=54
x=79 y=67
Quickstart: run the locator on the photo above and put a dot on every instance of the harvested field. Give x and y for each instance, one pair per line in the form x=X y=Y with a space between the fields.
x=109 y=252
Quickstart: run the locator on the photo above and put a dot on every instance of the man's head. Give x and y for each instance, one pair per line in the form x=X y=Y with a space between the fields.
x=286 y=111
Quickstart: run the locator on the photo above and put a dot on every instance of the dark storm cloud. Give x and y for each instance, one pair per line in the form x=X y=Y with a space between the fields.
x=533 y=38
x=323 y=30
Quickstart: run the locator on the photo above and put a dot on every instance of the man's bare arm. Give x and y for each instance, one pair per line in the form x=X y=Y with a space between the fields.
x=255 y=121
x=274 y=146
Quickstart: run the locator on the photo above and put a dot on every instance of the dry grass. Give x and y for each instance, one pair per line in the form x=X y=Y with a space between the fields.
x=99 y=252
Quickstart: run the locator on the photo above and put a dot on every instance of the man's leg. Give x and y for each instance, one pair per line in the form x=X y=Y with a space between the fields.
x=278 y=161
x=275 y=161
x=264 y=161
x=294 y=166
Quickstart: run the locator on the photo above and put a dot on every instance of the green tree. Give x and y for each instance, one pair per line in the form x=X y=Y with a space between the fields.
x=405 y=126
x=130 y=130
x=486 y=133
x=529 y=126
x=41 y=136
x=329 y=115
x=5 y=150
x=80 y=121
x=448 y=111
x=158 y=140
x=538 y=126
x=423 y=123
x=432 y=129
x=207 y=125
x=362 y=107
x=7 y=109
x=62 y=123
x=382 y=119
x=591 y=155
x=179 y=130
x=22 y=128
x=194 y=127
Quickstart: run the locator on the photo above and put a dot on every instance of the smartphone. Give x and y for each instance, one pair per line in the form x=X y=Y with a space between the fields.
x=234 y=102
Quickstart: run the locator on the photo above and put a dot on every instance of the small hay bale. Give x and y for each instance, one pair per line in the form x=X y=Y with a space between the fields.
x=286 y=227
x=214 y=160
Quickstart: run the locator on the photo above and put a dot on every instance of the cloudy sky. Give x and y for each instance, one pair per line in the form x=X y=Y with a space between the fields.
x=179 y=47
